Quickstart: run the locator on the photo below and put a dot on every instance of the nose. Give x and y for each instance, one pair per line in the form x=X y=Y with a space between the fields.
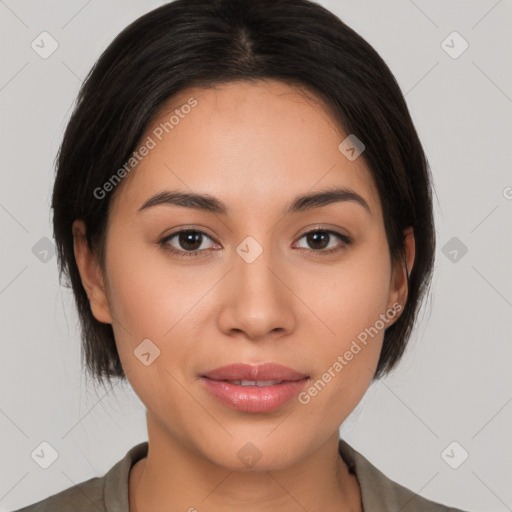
x=256 y=300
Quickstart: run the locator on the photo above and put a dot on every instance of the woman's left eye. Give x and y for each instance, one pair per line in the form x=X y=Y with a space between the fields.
x=190 y=242
x=320 y=238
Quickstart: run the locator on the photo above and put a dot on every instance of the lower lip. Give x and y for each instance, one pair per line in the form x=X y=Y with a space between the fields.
x=254 y=398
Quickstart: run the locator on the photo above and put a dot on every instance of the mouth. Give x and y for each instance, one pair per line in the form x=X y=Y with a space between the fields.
x=254 y=388
x=254 y=373
x=259 y=383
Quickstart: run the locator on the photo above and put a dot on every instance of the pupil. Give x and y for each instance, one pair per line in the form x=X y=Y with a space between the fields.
x=316 y=236
x=190 y=237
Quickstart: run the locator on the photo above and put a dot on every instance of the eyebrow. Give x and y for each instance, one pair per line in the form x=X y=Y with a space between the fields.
x=211 y=204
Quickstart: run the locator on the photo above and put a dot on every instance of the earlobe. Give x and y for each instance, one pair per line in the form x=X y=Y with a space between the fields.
x=91 y=274
x=402 y=270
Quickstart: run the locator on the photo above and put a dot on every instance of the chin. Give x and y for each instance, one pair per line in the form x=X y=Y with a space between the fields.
x=251 y=453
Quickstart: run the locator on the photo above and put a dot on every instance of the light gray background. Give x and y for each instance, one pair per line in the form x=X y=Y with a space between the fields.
x=454 y=384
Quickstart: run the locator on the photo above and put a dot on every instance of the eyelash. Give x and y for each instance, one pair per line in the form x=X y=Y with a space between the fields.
x=187 y=254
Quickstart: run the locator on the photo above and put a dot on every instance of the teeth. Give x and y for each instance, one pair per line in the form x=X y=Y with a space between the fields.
x=256 y=382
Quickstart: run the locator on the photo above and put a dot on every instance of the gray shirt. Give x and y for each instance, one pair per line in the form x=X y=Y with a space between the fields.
x=109 y=493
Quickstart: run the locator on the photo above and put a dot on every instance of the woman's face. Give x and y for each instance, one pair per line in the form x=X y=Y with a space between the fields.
x=254 y=287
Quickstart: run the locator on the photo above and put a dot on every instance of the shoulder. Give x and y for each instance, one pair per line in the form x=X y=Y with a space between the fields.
x=84 y=497
x=98 y=494
x=380 y=492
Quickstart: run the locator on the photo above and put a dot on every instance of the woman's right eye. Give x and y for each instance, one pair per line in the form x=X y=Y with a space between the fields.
x=188 y=242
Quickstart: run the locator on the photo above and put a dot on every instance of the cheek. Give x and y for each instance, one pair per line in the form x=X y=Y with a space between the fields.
x=350 y=296
x=152 y=303
x=149 y=293
x=151 y=298
x=345 y=359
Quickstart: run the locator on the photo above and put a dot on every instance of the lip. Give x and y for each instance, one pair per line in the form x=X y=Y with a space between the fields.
x=268 y=371
x=254 y=398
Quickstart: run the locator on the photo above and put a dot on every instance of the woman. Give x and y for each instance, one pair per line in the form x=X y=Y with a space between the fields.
x=243 y=209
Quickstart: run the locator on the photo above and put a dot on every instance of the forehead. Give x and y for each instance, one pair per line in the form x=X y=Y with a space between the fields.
x=253 y=144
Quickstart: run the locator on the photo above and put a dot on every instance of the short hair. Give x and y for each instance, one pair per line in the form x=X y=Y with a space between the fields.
x=201 y=43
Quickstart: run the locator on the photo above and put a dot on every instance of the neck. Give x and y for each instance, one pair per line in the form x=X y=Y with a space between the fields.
x=173 y=477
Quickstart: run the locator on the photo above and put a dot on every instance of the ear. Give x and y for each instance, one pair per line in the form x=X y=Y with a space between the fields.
x=398 y=287
x=91 y=274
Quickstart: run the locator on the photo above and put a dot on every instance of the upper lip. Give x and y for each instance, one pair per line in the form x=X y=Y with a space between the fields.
x=243 y=371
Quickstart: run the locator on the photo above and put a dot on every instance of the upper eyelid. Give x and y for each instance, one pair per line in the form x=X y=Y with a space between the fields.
x=347 y=240
x=186 y=230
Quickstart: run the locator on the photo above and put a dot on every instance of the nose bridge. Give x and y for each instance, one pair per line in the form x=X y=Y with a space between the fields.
x=252 y=266
x=256 y=301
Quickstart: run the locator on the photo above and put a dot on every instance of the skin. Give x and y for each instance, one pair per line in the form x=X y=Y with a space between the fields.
x=255 y=147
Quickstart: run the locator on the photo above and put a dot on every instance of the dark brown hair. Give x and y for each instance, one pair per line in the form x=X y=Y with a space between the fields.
x=201 y=43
